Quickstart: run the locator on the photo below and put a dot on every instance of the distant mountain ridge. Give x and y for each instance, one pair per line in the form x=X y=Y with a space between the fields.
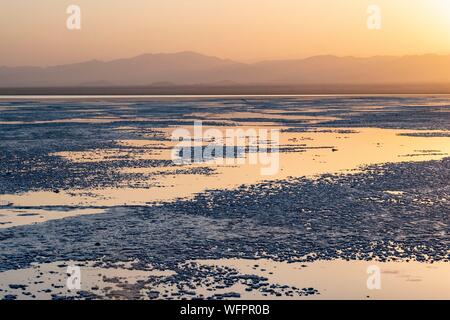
x=190 y=68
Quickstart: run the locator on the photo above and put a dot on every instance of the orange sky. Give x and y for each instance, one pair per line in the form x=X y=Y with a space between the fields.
x=34 y=32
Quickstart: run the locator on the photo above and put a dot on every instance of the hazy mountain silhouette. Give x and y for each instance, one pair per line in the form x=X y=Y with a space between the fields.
x=189 y=68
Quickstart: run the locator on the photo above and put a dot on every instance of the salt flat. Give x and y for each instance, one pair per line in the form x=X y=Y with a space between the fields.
x=360 y=178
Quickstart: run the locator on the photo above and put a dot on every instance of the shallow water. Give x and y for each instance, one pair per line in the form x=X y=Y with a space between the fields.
x=305 y=154
x=347 y=280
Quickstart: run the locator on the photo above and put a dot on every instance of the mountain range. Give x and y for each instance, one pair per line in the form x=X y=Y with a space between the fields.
x=190 y=68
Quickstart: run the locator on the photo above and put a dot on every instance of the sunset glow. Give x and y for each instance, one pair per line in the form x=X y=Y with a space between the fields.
x=248 y=31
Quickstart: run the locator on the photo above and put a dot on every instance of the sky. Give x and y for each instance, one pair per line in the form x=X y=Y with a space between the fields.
x=35 y=33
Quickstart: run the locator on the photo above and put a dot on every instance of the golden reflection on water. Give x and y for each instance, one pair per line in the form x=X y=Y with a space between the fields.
x=324 y=151
x=345 y=280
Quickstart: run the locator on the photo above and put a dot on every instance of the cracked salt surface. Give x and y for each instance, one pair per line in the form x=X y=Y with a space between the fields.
x=315 y=210
x=119 y=281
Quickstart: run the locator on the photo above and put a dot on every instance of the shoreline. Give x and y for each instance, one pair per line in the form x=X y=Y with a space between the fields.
x=265 y=90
